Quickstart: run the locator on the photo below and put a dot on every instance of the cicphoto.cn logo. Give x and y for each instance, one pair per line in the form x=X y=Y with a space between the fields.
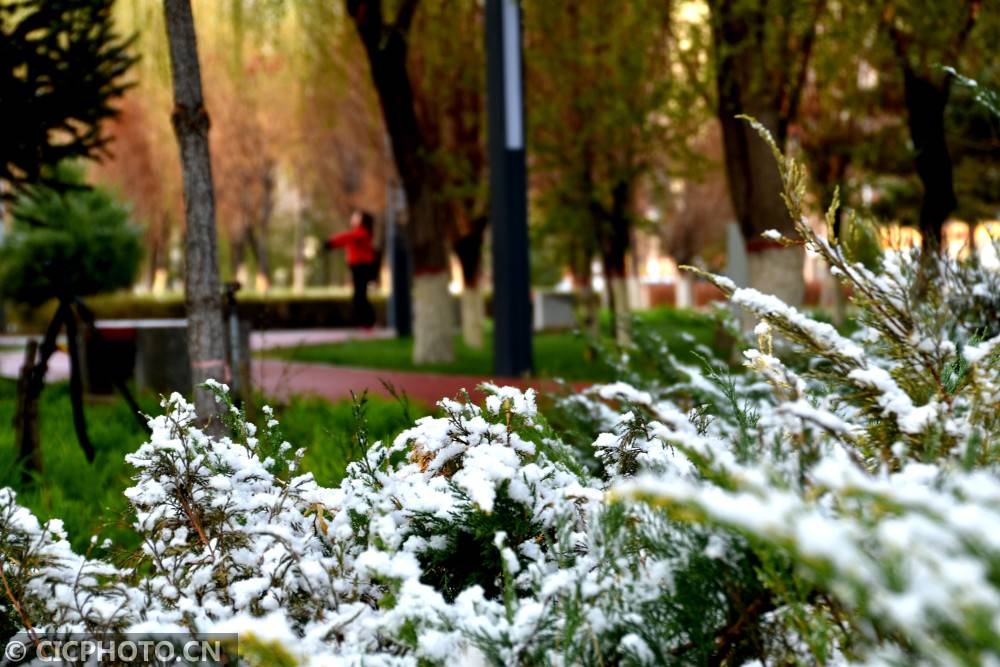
x=120 y=650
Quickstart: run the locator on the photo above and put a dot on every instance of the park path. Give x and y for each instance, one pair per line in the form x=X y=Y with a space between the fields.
x=283 y=379
x=12 y=347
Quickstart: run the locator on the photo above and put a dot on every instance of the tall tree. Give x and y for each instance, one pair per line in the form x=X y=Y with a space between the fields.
x=761 y=52
x=144 y=167
x=344 y=160
x=62 y=66
x=245 y=146
x=925 y=35
x=203 y=295
x=137 y=172
x=607 y=105
x=448 y=67
x=243 y=163
x=386 y=42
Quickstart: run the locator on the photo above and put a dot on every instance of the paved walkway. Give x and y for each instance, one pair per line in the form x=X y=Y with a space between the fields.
x=283 y=379
x=11 y=361
x=272 y=340
x=12 y=347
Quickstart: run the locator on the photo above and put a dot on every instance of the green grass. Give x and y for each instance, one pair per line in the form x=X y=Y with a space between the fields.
x=557 y=355
x=88 y=497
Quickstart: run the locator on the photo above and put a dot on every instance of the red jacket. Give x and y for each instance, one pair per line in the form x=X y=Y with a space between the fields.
x=358 y=244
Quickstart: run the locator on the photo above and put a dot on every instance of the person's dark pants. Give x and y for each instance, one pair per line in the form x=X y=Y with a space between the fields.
x=361 y=307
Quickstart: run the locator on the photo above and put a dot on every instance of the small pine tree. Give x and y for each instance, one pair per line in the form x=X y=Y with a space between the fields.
x=69 y=244
x=61 y=66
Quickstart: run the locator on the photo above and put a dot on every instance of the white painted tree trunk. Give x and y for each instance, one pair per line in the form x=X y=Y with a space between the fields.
x=637 y=296
x=203 y=293
x=299 y=260
x=242 y=274
x=263 y=282
x=160 y=277
x=433 y=326
x=684 y=295
x=623 y=313
x=778 y=271
x=299 y=276
x=473 y=316
x=589 y=311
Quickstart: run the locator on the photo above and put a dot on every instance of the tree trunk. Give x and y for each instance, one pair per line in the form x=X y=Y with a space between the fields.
x=755 y=188
x=257 y=235
x=237 y=258
x=258 y=242
x=429 y=220
x=754 y=182
x=778 y=271
x=433 y=329
x=615 y=238
x=76 y=382
x=589 y=306
x=621 y=310
x=206 y=332
x=160 y=280
x=30 y=386
x=299 y=260
x=473 y=316
x=155 y=252
x=469 y=249
x=590 y=302
x=746 y=83
x=684 y=291
x=159 y=250
x=925 y=105
x=427 y=231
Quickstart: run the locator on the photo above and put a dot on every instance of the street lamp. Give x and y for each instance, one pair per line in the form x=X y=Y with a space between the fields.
x=508 y=190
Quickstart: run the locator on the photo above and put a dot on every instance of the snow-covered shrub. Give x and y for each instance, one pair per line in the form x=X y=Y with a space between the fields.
x=867 y=488
x=838 y=502
x=974 y=291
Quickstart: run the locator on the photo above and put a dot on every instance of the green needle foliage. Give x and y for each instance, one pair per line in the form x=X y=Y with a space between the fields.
x=67 y=244
x=61 y=67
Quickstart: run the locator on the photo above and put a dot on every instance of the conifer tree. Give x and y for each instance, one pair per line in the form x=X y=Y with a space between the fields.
x=62 y=66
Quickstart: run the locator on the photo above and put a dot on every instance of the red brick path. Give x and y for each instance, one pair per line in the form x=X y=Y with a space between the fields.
x=282 y=379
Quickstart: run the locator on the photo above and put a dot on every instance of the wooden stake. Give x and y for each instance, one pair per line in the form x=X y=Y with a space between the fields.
x=26 y=431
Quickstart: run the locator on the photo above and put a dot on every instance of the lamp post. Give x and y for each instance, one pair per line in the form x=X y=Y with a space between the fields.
x=508 y=190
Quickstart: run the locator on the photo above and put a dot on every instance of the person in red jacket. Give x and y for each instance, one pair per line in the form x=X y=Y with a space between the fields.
x=357 y=243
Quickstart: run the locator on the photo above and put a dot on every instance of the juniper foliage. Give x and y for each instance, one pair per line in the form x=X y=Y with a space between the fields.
x=836 y=503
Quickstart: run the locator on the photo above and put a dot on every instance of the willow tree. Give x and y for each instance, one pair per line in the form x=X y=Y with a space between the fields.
x=203 y=292
x=249 y=134
x=386 y=39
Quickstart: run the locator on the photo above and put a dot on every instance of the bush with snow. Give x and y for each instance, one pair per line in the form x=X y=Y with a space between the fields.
x=837 y=503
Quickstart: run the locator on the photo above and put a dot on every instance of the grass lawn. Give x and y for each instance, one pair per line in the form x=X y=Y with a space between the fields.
x=88 y=497
x=557 y=355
